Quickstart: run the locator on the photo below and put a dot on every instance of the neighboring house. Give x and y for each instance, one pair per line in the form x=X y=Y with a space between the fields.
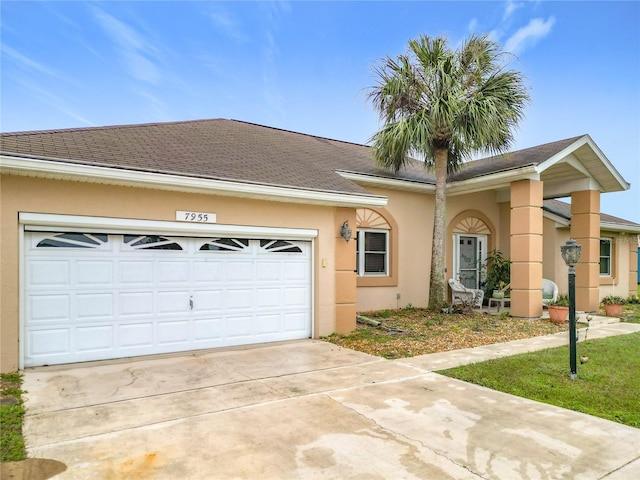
x=140 y=239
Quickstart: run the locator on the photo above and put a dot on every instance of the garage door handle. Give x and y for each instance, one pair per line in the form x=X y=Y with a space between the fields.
x=191 y=303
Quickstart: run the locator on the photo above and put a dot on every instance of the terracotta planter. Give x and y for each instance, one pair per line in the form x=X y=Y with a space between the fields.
x=558 y=314
x=613 y=310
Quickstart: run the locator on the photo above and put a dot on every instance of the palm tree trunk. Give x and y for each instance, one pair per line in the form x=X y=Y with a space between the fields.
x=436 y=282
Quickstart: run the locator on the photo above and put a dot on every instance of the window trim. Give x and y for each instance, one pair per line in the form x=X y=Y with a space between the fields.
x=391 y=279
x=611 y=278
x=361 y=253
x=610 y=257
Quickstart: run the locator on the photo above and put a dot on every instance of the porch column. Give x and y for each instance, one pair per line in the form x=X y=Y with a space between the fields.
x=526 y=249
x=345 y=258
x=585 y=230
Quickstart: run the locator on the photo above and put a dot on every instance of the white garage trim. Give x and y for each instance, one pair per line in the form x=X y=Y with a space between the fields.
x=47 y=222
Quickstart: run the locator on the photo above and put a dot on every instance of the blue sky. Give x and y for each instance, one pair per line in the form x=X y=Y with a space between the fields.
x=305 y=66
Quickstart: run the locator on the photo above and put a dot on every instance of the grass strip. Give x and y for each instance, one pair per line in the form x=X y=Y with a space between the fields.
x=12 y=447
x=608 y=384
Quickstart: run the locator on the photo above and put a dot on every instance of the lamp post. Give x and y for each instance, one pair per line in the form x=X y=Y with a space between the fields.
x=571 y=254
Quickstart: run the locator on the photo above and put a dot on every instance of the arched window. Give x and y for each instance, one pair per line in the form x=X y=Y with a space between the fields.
x=376 y=248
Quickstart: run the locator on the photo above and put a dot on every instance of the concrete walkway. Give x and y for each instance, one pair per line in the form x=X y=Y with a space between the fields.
x=310 y=410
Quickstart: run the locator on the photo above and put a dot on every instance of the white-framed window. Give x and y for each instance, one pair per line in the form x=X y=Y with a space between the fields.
x=605 y=257
x=372 y=252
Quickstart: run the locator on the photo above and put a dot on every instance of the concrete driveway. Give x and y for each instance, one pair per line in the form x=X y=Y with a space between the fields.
x=310 y=410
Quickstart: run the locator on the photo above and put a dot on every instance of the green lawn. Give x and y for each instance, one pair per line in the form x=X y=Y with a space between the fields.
x=608 y=385
x=11 y=441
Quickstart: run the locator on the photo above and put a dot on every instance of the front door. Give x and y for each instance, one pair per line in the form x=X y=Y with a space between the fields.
x=470 y=253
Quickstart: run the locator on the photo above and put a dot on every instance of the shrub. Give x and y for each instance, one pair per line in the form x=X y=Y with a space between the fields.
x=613 y=300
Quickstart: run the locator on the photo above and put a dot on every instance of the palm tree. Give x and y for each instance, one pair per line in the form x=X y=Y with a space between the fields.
x=441 y=106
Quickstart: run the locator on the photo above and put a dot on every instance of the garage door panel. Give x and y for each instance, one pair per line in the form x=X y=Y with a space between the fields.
x=173 y=332
x=136 y=272
x=239 y=326
x=295 y=321
x=135 y=335
x=208 y=271
x=295 y=297
x=45 y=273
x=47 y=342
x=268 y=297
x=94 y=338
x=268 y=271
x=136 y=303
x=173 y=301
x=296 y=271
x=239 y=298
x=208 y=329
x=208 y=301
x=94 y=305
x=269 y=324
x=173 y=272
x=109 y=299
x=239 y=271
x=90 y=273
x=49 y=308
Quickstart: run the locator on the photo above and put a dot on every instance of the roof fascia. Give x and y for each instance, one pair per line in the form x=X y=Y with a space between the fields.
x=619 y=227
x=559 y=220
x=585 y=140
x=115 y=176
x=393 y=183
x=492 y=181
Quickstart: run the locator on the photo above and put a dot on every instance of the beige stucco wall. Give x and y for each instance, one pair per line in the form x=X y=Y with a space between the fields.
x=24 y=194
x=554 y=268
x=413 y=212
x=620 y=281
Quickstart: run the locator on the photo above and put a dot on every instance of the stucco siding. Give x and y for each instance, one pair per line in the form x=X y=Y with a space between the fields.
x=25 y=194
x=413 y=212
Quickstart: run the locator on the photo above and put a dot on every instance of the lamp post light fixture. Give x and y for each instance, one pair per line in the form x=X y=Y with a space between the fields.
x=571 y=254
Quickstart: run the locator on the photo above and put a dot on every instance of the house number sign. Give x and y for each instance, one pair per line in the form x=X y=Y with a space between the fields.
x=195 y=217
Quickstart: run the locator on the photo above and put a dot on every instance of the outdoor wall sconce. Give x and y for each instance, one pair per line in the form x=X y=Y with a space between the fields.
x=570 y=252
x=345 y=231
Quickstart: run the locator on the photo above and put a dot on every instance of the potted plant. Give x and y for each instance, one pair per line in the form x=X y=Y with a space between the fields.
x=613 y=305
x=498 y=275
x=500 y=291
x=559 y=309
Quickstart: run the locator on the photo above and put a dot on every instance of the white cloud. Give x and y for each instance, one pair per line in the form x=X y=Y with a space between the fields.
x=473 y=25
x=27 y=63
x=227 y=24
x=135 y=50
x=529 y=35
x=509 y=8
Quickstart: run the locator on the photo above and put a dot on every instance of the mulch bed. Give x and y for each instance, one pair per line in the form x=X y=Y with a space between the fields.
x=415 y=331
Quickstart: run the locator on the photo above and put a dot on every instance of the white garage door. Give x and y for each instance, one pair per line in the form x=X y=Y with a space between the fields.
x=97 y=296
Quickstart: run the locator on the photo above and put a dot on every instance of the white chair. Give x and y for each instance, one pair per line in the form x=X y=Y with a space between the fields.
x=549 y=292
x=461 y=294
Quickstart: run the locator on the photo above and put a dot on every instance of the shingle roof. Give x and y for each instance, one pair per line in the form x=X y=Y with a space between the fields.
x=512 y=160
x=563 y=210
x=216 y=149
x=239 y=151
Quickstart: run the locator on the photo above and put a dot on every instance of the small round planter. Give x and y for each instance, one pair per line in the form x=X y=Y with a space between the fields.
x=613 y=310
x=558 y=314
x=497 y=294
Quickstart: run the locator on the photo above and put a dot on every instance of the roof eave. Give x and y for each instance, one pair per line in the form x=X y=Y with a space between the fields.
x=386 y=182
x=622 y=184
x=492 y=181
x=14 y=165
